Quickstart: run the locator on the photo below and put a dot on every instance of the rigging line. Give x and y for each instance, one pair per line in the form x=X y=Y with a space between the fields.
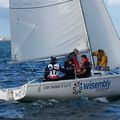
x=88 y=37
x=42 y=6
x=110 y=19
x=35 y=76
x=32 y=70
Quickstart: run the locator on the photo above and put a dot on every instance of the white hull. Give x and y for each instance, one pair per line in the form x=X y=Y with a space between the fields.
x=92 y=87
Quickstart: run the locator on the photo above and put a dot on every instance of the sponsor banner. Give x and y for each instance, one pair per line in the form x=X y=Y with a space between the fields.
x=57 y=85
x=101 y=85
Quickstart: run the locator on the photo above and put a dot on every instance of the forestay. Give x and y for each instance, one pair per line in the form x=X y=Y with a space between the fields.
x=44 y=28
x=102 y=33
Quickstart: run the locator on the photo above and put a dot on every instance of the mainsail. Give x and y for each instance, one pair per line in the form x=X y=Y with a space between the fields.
x=101 y=31
x=44 y=28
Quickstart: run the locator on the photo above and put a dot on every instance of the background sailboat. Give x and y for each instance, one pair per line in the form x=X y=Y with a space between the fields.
x=40 y=29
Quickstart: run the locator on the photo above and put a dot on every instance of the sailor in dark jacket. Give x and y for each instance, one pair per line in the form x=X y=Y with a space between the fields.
x=51 y=71
x=69 y=70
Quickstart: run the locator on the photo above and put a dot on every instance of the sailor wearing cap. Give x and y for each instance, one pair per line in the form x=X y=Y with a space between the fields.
x=51 y=71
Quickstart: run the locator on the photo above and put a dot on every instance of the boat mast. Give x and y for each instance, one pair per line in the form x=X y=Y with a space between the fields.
x=88 y=38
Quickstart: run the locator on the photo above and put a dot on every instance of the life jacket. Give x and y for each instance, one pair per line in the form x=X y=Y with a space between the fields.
x=72 y=56
x=85 y=65
x=53 y=71
x=76 y=63
x=102 y=60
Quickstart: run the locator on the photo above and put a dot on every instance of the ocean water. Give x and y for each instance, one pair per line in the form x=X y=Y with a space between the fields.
x=12 y=75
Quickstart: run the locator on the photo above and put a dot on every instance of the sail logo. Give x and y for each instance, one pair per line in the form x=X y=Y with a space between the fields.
x=78 y=87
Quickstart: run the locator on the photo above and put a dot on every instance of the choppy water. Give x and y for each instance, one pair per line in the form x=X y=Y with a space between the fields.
x=12 y=75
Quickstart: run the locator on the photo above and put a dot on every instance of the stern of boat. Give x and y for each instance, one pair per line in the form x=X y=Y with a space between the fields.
x=10 y=94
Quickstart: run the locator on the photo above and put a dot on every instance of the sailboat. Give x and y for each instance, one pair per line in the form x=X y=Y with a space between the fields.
x=44 y=28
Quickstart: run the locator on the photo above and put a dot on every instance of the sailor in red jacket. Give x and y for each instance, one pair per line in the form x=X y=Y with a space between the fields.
x=73 y=56
x=85 y=70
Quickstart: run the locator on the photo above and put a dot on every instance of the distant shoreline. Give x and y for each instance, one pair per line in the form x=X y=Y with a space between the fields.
x=4 y=40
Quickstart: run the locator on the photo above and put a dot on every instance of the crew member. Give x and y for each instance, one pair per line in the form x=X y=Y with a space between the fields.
x=85 y=70
x=73 y=57
x=51 y=71
x=102 y=59
x=69 y=69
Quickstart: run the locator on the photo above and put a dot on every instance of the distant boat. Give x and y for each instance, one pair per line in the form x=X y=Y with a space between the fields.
x=4 y=38
x=42 y=28
x=1 y=38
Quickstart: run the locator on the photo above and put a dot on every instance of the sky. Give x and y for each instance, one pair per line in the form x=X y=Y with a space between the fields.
x=113 y=7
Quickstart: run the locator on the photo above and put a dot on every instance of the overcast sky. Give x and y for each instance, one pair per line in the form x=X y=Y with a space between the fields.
x=112 y=5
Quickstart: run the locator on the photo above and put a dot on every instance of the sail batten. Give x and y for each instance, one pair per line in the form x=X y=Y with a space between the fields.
x=50 y=31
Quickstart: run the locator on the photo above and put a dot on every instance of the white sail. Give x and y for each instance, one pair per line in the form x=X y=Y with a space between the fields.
x=44 y=28
x=41 y=28
x=102 y=33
